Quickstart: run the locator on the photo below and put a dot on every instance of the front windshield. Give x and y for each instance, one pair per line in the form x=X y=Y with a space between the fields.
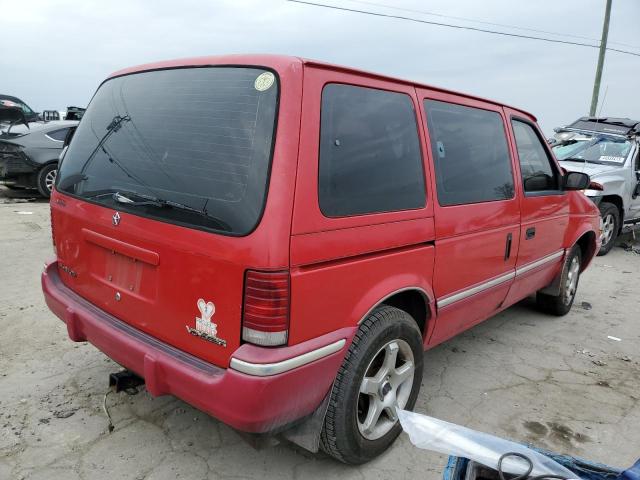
x=596 y=149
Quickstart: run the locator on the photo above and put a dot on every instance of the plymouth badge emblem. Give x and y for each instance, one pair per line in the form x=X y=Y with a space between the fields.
x=205 y=328
x=116 y=219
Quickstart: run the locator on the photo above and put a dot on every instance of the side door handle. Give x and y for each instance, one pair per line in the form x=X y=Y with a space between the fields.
x=507 y=249
x=531 y=233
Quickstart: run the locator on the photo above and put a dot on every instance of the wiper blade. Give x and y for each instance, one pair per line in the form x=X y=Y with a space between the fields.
x=583 y=160
x=153 y=201
x=149 y=200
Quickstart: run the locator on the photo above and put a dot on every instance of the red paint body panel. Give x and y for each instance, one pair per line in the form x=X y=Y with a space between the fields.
x=248 y=403
x=330 y=296
x=340 y=268
x=470 y=243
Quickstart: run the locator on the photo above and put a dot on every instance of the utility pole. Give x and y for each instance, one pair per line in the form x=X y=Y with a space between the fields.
x=603 y=50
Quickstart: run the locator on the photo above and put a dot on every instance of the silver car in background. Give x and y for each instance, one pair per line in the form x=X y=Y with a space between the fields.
x=608 y=150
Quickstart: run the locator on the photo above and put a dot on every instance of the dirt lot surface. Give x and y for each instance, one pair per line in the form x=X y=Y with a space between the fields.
x=559 y=383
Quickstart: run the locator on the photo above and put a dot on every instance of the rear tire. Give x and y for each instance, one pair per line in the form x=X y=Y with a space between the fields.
x=610 y=216
x=560 y=305
x=46 y=179
x=361 y=421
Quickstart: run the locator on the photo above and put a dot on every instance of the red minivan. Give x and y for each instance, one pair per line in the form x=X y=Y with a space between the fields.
x=273 y=239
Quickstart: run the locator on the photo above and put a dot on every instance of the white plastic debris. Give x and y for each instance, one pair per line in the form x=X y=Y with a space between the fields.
x=23 y=212
x=450 y=439
x=614 y=338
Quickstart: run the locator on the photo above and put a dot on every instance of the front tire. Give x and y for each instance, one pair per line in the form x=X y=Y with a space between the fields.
x=46 y=179
x=381 y=370
x=560 y=304
x=610 y=226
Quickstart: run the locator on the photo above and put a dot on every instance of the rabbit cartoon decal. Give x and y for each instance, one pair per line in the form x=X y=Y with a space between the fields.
x=205 y=328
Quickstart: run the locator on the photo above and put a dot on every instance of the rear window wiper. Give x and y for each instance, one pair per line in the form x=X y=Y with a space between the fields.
x=148 y=200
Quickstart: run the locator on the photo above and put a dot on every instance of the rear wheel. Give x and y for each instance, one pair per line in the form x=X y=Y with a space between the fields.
x=610 y=226
x=561 y=304
x=47 y=178
x=381 y=371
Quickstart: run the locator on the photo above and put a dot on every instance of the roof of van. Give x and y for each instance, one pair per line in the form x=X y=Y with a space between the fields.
x=284 y=60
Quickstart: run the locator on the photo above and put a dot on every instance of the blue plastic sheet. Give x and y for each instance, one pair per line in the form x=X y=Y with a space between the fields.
x=585 y=470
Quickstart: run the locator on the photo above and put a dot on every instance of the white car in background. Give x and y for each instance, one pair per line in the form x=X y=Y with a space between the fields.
x=608 y=150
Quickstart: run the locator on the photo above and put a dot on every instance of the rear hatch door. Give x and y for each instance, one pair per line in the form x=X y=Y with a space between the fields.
x=158 y=193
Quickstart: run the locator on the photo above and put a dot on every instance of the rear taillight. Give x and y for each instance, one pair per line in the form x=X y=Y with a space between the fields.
x=265 y=318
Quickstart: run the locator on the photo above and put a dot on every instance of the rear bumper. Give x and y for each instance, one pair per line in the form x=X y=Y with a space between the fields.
x=259 y=402
x=13 y=165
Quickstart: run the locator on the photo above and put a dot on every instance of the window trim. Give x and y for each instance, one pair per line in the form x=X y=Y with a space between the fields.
x=420 y=147
x=550 y=159
x=178 y=223
x=435 y=173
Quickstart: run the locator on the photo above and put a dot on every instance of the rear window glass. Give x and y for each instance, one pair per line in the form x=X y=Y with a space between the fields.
x=189 y=146
x=370 y=158
x=470 y=154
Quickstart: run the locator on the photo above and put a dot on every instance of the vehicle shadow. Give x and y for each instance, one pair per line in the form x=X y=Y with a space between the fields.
x=20 y=195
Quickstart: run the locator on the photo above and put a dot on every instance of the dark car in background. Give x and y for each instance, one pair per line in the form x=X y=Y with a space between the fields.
x=29 y=154
x=10 y=101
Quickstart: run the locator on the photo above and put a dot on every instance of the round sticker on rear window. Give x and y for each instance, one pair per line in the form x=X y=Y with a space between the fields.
x=264 y=81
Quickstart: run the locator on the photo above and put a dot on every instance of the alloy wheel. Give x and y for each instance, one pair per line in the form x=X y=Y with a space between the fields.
x=608 y=227
x=386 y=386
x=571 y=283
x=50 y=179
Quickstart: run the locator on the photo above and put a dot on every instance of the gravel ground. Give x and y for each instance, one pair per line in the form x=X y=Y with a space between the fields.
x=561 y=384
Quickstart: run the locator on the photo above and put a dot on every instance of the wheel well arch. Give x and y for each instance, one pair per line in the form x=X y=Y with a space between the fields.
x=587 y=244
x=411 y=300
x=617 y=201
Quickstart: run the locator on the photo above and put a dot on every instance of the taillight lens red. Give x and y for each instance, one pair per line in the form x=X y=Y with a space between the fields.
x=265 y=319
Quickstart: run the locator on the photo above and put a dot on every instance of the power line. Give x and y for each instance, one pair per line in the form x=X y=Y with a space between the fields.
x=467 y=19
x=460 y=27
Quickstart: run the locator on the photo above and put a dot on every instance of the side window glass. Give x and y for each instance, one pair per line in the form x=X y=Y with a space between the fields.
x=470 y=154
x=370 y=159
x=58 y=135
x=538 y=175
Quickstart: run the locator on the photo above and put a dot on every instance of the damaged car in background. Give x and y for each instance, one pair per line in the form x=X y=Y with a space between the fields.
x=608 y=150
x=29 y=150
x=9 y=101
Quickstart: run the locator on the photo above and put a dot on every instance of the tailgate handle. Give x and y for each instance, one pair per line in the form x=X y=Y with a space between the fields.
x=108 y=243
x=531 y=232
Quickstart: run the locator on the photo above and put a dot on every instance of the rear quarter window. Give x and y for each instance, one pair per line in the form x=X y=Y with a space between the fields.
x=370 y=158
x=58 y=135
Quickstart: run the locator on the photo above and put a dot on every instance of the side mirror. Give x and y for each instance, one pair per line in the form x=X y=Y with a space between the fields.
x=576 y=181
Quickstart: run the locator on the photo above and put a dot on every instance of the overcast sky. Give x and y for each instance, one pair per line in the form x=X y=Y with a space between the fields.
x=54 y=53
